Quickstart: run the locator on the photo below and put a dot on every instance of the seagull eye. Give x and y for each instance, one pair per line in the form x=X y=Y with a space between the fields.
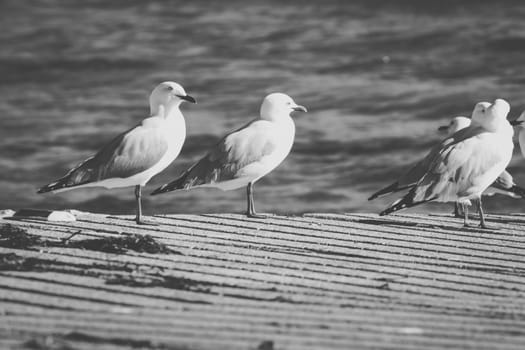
x=169 y=88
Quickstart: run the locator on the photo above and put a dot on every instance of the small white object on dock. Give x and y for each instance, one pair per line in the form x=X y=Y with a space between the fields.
x=49 y=215
x=6 y=213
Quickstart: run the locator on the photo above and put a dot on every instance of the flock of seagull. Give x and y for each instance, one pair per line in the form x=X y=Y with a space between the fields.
x=470 y=160
x=238 y=160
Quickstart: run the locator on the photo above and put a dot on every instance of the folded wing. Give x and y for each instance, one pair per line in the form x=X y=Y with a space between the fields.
x=130 y=153
x=229 y=158
x=410 y=178
x=454 y=170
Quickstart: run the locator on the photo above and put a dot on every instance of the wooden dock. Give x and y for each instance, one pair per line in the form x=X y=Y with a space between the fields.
x=222 y=281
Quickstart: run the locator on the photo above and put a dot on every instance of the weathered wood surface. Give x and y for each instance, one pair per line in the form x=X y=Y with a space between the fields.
x=322 y=281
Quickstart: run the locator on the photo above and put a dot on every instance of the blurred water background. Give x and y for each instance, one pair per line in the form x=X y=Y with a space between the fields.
x=378 y=78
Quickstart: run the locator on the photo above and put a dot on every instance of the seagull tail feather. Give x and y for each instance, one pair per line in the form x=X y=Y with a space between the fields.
x=48 y=188
x=176 y=184
x=77 y=176
x=57 y=185
x=397 y=205
x=403 y=203
x=389 y=189
x=520 y=191
x=196 y=175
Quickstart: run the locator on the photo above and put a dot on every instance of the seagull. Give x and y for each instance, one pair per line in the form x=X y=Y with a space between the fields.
x=135 y=156
x=245 y=155
x=464 y=165
x=410 y=178
x=504 y=184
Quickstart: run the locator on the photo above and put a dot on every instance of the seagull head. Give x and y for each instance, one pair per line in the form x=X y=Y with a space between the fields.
x=456 y=124
x=520 y=121
x=168 y=94
x=480 y=109
x=490 y=116
x=277 y=105
x=500 y=108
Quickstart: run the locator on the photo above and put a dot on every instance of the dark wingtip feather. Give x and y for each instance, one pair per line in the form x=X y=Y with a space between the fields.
x=383 y=191
x=520 y=191
x=406 y=202
x=372 y=197
x=159 y=190
x=176 y=184
x=395 y=187
x=51 y=187
x=397 y=205
x=64 y=182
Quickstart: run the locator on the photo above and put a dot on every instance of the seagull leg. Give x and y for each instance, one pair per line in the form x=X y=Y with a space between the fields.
x=250 y=212
x=138 y=195
x=481 y=214
x=138 y=217
x=458 y=213
x=465 y=215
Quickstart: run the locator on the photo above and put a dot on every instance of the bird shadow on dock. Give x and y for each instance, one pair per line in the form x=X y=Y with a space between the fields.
x=66 y=341
x=490 y=218
x=114 y=272
x=396 y=223
x=504 y=221
x=387 y=222
x=12 y=236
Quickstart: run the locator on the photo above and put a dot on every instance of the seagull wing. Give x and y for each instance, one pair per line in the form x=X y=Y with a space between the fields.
x=456 y=167
x=130 y=153
x=453 y=170
x=227 y=159
x=407 y=180
x=410 y=178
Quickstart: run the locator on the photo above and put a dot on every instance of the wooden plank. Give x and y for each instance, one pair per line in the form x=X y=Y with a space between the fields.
x=322 y=281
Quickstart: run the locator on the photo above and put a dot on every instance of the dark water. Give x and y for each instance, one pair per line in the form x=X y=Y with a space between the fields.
x=377 y=78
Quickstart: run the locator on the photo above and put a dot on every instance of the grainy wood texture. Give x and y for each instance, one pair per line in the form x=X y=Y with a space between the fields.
x=321 y=281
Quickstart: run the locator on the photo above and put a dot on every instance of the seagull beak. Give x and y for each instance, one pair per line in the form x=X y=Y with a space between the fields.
x=187 y=98
x=300 y=109
x=443 y=128
x=516 y=122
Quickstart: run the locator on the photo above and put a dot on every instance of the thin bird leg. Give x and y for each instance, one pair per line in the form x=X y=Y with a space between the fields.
x=138 y=217
x=481 y=214
x=250 y=212
x=465 y=215
x=138 y=195
x=457 y=211
x=248 y=202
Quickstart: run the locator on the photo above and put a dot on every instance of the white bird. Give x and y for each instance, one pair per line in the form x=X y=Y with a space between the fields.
x=504 y=184
x=245 y=155
x=466 y=164
x=135 y=156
